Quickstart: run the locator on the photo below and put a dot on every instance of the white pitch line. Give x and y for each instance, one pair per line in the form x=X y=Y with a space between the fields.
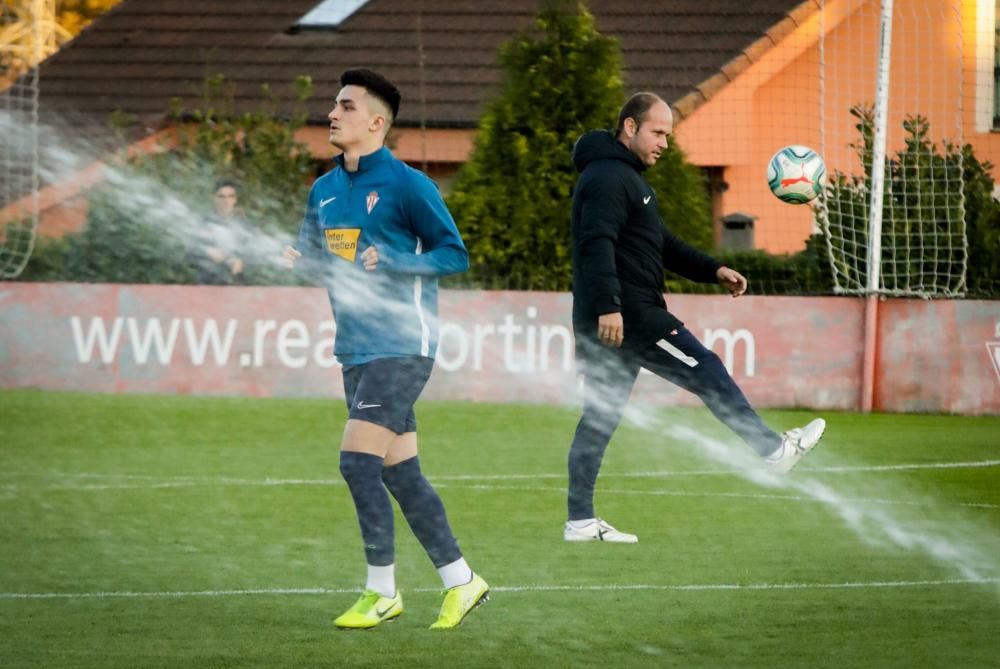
x=154 y=482
x=753 y=586
x=695 y=587
x=905 y=467
x=738 y=495
x=205 y=480
x=484 y=486
x=185 y=483
x=733 y=472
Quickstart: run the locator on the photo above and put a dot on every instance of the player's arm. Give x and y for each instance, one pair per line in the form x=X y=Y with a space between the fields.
x=689 y=262
x=442 y=250
x=307 y=253
x=682 y=258
x=603 y=212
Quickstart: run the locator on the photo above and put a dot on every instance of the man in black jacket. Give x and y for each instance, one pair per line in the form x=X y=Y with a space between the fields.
x=620 y=318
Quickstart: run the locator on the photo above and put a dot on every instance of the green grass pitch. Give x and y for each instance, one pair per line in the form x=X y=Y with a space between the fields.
x=216 y=532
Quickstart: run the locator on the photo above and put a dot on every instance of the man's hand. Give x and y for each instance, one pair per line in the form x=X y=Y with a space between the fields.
x=732 y=281
x=611 y=329
x=370 y=258
x=289 y=256
x=215 y=255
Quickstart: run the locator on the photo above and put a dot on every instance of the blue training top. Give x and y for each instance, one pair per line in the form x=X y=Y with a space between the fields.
x=392 y=310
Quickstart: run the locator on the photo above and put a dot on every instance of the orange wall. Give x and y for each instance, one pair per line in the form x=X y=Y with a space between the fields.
x=781 y=99
x=978 y=90
x=63 y=206
x=434 y=145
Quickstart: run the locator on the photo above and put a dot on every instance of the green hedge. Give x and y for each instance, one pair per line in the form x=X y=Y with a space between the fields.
x=805 y=273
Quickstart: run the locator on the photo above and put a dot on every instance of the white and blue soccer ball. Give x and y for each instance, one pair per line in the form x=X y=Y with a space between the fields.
x=796 y=174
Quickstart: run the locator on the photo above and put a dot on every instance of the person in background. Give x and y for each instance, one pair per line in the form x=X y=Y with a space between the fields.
x=221 y=262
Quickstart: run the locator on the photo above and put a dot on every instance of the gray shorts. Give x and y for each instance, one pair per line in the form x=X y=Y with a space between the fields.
x=384 y=391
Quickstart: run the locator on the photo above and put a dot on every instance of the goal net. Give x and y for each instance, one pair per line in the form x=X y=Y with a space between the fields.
x=892 y=106
x=808 y=73
x=21 y=48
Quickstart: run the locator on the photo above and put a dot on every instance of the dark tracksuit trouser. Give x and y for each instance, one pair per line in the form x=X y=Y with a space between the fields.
x=609 y=374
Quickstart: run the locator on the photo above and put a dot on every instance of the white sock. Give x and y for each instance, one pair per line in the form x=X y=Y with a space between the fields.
x=579 y=524
x=456 y=573
x=382 y=580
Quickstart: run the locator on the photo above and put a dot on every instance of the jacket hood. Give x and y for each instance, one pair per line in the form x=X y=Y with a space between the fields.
x=601 y=145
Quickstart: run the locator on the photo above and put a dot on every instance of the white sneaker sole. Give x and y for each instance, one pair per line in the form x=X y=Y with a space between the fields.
x=607 y=539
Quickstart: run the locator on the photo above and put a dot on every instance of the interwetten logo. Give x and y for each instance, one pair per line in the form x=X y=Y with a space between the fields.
x=343 y=242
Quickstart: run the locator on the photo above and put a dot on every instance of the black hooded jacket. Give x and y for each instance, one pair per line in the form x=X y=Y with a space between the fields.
x=620 y=246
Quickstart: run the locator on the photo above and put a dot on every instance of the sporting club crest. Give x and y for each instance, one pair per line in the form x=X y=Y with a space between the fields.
x=371 y=200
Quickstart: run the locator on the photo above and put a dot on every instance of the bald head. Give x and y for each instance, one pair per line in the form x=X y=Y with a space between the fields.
x=636 y=107
x=644 y=125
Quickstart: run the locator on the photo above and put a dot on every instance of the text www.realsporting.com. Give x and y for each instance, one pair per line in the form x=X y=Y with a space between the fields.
x=513 y=343
x=153 y=341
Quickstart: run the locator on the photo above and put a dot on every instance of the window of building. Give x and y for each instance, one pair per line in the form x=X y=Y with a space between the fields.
x=329 y=14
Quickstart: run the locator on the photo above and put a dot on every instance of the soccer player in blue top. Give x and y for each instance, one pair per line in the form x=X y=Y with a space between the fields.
x=379 y=235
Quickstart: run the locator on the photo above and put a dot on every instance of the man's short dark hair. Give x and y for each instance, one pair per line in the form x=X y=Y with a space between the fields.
x=636 y=107
x=225 y=183
x=375 y=84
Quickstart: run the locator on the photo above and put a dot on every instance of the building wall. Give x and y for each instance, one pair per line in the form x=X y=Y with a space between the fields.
x=63 y=206
x=941 y=68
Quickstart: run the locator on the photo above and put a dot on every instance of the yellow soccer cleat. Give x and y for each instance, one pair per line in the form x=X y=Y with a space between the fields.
x=461 y=599
x=370 y=610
